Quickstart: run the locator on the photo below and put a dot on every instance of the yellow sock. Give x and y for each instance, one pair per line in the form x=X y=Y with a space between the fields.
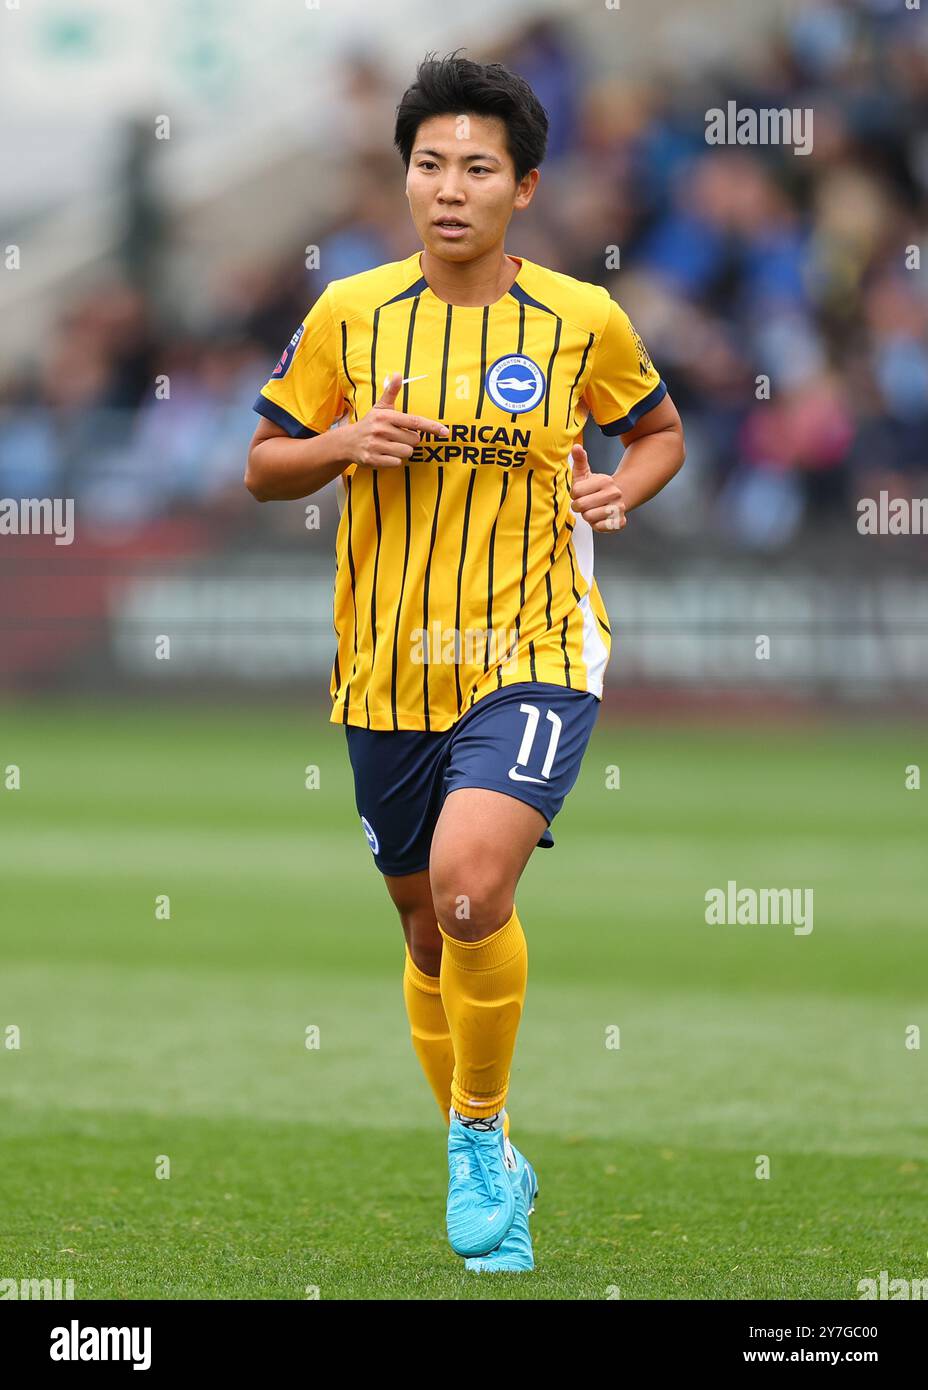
x=483 y=991
x=431 y=1037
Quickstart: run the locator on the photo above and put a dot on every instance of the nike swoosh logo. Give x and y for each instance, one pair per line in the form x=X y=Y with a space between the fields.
x=493 y=1217
x=522 y=777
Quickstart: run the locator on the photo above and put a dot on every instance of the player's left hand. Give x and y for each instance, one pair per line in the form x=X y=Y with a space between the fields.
x=596 y=497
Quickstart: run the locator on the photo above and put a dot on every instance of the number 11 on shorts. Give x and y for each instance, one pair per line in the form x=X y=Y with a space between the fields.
x=528 y=739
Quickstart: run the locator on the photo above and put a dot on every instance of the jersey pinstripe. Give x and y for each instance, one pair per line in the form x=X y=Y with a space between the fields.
x=464 y=570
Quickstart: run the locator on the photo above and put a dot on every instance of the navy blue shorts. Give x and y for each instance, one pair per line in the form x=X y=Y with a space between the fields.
x=526 y=740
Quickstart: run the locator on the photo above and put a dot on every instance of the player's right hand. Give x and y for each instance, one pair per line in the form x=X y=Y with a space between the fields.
x=385 y=437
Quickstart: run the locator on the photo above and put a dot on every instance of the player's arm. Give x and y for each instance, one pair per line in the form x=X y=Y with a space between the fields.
x=654 y=452
x=281 y=468
x=629 y=400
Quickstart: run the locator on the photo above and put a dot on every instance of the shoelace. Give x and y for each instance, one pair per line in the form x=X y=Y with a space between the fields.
x=488 y=1178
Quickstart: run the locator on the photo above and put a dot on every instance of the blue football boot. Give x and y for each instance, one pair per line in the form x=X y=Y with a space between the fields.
x=481 y=1196
x=515 y=1252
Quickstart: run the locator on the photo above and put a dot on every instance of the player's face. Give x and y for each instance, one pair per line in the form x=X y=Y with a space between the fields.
x=461 y=169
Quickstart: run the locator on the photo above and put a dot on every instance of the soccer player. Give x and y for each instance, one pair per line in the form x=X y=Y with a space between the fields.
x=471 y=635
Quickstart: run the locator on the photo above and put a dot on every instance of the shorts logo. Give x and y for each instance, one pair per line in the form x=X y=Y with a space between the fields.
x=518 y=776
x=528 y=739
x=286 y=357
x=515 y=383
x=371 y=836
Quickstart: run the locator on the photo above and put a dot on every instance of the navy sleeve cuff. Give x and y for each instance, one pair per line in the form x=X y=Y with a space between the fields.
x=629 y=421
x=272 y=411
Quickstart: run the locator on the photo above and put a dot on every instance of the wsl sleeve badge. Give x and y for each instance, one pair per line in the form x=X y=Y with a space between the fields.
x=515 y=383
x=286 y=357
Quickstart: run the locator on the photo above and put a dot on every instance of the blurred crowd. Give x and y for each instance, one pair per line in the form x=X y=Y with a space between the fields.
x=780 y=295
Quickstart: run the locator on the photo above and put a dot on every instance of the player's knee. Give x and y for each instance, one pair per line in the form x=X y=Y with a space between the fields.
x=424 y=940
x=470 y=906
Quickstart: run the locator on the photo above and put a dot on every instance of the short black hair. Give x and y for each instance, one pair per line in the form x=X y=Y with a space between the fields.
x=457 y=86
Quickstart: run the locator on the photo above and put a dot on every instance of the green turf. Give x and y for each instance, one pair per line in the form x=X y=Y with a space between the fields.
x=296 y=1168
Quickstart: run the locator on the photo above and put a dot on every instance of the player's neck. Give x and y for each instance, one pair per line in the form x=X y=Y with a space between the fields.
x=470 y=284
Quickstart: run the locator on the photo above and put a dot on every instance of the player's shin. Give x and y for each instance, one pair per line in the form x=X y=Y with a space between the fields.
x=431 y=1036
x=483 y=989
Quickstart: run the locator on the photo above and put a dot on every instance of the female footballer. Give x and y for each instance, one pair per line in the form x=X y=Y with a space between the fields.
x=471 y=635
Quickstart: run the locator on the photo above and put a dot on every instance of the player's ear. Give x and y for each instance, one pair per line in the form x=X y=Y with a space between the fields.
x=525 y=190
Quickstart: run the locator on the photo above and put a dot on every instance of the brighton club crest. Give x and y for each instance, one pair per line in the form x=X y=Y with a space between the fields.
x=515 y=383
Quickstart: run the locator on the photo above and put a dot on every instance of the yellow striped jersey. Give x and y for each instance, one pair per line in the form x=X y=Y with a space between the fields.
x=464 y=570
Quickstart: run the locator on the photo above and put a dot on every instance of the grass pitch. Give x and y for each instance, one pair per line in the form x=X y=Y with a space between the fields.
x=296 y=1169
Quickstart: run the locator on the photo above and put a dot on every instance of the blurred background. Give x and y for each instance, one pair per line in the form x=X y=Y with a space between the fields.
x=185 y=888
x=180 y=182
